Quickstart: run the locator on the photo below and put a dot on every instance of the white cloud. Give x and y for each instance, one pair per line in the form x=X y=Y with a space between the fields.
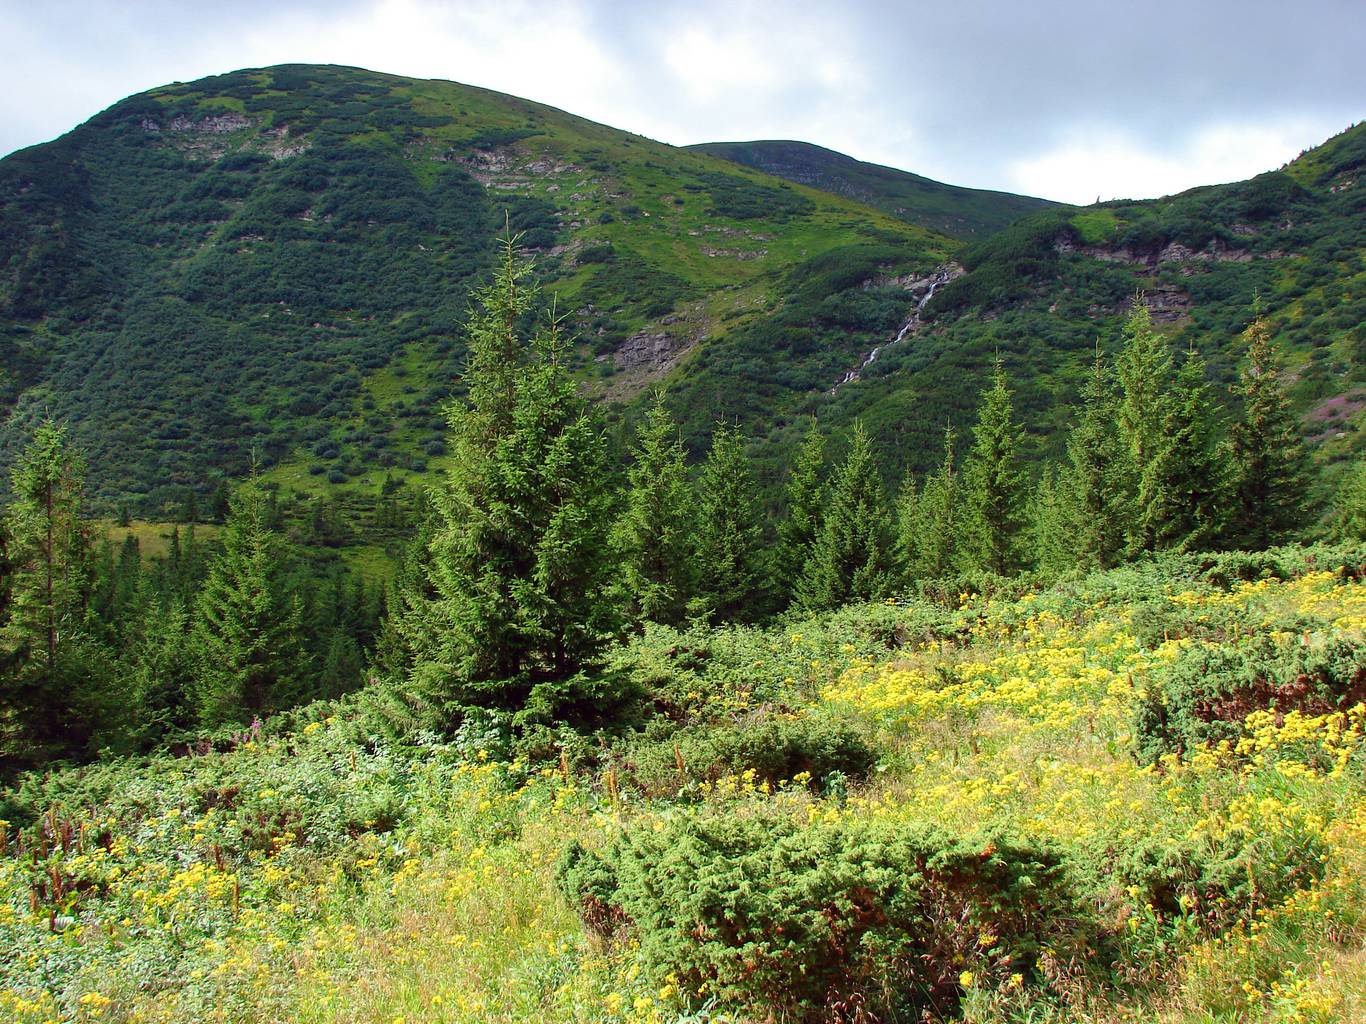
x=1114 y=165
x=1065 y=100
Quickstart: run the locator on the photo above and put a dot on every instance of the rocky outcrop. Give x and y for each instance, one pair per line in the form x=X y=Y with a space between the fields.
x=1172 y=252
x=648 y=348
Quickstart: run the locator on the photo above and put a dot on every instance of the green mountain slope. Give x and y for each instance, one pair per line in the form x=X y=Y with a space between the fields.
x=1043 y=291
x=278 y=261
x=966 y=213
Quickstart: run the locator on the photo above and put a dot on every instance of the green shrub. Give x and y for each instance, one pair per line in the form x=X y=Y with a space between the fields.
x=776 y=748
x=1206 y=693
x=795 y=922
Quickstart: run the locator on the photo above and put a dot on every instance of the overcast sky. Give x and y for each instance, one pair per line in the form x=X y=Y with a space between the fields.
x=1068 y=100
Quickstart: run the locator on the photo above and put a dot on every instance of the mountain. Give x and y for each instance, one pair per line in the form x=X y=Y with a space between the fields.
x=965 y=213
x=1042 y=293
x=278 y=262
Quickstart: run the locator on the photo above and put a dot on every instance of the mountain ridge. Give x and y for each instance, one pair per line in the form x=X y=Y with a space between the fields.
x=964 y=213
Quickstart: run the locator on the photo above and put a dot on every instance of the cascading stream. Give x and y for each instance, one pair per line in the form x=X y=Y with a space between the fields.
x=940 y=277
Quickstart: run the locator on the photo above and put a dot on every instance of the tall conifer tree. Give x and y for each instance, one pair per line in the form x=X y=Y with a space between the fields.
x=1181 y=494
x=732 y=565
x=994 y=494
x=246 y=638
x=805 y=494
x=1268 y=480
x=520 y=564
x=1144 y=372
x=54 y=687
x=1091 y=492
x=657 y=530
x=929 y=521
x=851 y=560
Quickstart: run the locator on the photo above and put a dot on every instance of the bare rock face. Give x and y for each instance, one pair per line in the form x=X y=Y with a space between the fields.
x=1167 y=303
x=648 y=349
x=219 y=124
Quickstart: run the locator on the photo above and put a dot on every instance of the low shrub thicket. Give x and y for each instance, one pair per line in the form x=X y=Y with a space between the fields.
x=831 y=920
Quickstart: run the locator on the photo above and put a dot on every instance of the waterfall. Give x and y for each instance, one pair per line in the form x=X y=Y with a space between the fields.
x=931 y=284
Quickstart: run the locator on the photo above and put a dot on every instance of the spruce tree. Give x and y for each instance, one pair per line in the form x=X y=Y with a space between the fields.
x=1349 y=505
x=247 y=637
x=1144 y=372
x=851 y=560
x=656 y=532
x=1181 y=493
x=1268 y=482
x=929 y=521
x=1051 y=539
x=732 y=565
x=994 y=495
x=520 y=567
x=799 y=529
x=1091 y=492
x=55 y=692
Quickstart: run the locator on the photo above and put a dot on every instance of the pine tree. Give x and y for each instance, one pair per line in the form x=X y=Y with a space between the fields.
x=1349 y=505
x=159 y=664
x=994 y=496
x=1144 y=371
x=520 y=564
x=732 y=567
x=805 y=494
x=246 y=637
x=1268 y=483
x=1181 y=494
x=1091 y=492
x=1051 y=537
x=929 y=521
x=851 y=560
x=657 y=529
x=55 y=692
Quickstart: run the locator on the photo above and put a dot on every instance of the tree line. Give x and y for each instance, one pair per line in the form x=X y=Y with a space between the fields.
x=532 y=558
x=103 y=650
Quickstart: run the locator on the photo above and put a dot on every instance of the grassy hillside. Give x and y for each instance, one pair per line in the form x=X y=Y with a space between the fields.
x=1134 y=796
x=965 y=213
x=1042 y=292
x=280 y=260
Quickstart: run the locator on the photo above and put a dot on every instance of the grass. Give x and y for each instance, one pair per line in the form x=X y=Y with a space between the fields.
x=317 y=875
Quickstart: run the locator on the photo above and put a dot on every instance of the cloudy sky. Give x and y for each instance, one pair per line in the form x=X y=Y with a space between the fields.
x=1068 y=99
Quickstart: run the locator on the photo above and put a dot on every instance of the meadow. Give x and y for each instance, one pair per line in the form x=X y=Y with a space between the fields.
x=1137 y=795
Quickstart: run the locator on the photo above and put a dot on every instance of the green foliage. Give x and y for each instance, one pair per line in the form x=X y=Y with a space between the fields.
x=774 y=748
x=520 y=563
x=777 y=917
x=851 y=559
x=742 y=199
x=733 y=569
x=55 y=692
x=657 y=532
x=1092 y=494
x=1144 y=373
x=993 y=486
x=805 y=493
x=1207 y=692
x=959 y=212
x=929 y=520
x=246 y=638
x=1182 y=493
x=1268 y=462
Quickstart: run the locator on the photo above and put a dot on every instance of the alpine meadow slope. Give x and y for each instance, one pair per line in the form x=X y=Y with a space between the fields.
x=279 y=260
